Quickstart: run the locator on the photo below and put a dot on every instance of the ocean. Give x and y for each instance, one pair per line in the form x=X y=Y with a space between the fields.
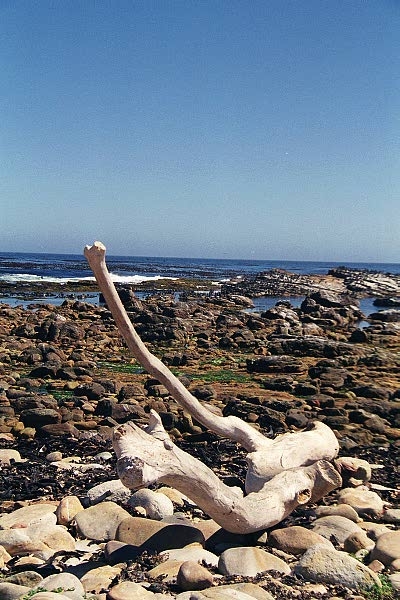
x=61 y=268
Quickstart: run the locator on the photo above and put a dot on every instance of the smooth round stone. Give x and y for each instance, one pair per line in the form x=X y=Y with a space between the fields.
x=234 y=591
x=12 y=591
x=68 y=509
x=69 y=583
x=103 y=456
x=295 y=540
x=395 y=565
x=100 y=522
x=112 y=491
x=28 y=515
x=341 y=510
x=357 y=541
x=28 y=578
x=5 y=557
x=320 y=564
x=363 y=500
x=192 y=576
x=7 y=455
x=249 y=562
x=392 y=515
x=340 y=527
x=174 y=495
x=99 y=579
x=374 y=530
x=355 y=471
x=194 y=552
x=387 y=548
x=394 y=579
x=168 y=570
x=128 y=590
x=54 y=456
x=38 y=539
x=157 y=535
x=157 y=506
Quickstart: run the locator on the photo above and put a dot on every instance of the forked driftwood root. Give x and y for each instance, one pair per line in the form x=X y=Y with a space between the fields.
x=282 y=473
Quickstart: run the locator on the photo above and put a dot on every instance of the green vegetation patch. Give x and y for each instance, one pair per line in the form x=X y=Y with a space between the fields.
x=121 y=367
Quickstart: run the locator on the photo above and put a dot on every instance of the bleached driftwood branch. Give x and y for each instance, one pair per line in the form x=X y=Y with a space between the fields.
x=267 y=457
x=149 y=456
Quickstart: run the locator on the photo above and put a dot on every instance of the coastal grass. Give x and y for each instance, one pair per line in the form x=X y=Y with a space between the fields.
x=204 y=374
x=386 y=592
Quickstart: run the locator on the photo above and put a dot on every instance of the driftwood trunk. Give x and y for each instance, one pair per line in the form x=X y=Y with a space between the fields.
x=282 y=473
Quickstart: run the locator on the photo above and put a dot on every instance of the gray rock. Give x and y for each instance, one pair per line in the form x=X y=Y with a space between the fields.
x=192 y=576
x=112 y=491
x=234 y=591
x=363 y=500
x=249 y=562
x=100 y=522
x=8 y=455
x=336 y=526
x=392 y=515
x=157 y=535
x=387 y=548
x=341 y=510
x=29 y=515
x=28 y=578
x=71 y=586
x=128 y=590
x=323 y=565
x=157 y=506
x=12 y=591
x=295 y=540
x=194 y=552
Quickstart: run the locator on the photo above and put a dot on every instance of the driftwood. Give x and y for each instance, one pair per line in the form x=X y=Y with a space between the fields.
x=282 y=473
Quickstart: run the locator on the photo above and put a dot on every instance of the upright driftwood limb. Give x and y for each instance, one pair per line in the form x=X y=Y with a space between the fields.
x=267 y=457
x=231 y=427
x=149 y=456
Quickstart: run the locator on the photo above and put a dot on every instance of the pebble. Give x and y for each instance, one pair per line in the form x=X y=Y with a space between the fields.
x=321 y=564
x=157 y=506
x=363 y=500
x=193 y=552
x=192 y=576
x=9 y=455
x=28 y=578
x=392 y=515
x=357 y=540
x=128 y=590
x=394 y=579
x=71 y=585
x=40 y=540
x=112 y=491
x=95 y=580
x=157 y=535
x=295 y=539
x=174 y=495
x=387 y=548
x=67 y=509
x=341 y=510
x=167 y=570
x=249 y=562
x=29 y=515
x=100 y=522
x=235 y=591
x=336 y=526
x=12 y=591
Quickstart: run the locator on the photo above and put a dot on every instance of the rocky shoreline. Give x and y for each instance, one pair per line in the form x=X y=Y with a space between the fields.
x=66 y=380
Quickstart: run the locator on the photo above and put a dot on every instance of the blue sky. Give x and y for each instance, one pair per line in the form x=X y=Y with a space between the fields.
x=244 y=129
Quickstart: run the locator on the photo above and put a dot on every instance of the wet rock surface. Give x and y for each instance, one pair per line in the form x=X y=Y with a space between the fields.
x=66 y=380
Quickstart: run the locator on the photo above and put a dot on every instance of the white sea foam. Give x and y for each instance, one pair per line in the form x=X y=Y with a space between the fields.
x=27 y=278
